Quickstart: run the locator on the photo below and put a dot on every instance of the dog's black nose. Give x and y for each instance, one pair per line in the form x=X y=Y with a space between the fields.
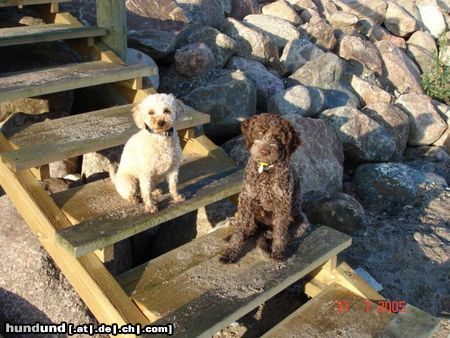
x=161 y=123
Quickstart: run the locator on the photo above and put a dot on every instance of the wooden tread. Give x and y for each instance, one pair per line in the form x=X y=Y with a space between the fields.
x=189 y=286
x=59 y=139
x=56 y=79
x=13 y=3
x=120 y=220
x=50 y=32
x=322 y=317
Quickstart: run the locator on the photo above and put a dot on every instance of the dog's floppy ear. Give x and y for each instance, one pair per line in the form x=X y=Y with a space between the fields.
x=180 y=110
x=137 y=116
x=246 y=128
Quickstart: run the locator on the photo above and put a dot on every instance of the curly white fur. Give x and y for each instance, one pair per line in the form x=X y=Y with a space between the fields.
x=150 y=156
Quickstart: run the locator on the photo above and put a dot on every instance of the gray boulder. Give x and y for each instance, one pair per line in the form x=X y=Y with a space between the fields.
x=194 y=59
x=396 y=122
x=424 y=40
x=423 y=58
x=372 y=10
x=427 y=153
x=135 y=56
x=398 y=21
x=241 y=8
x=320 y=165
x=426 y=125
x=364 y=139
x=368 y=92
x=393 y=183
x=221 y=45
x=297 y=52
x=326 y=72
x=399 y=71
x=280 y=30
x=283 y=10
x=358 y=49
x=340 y=211
x=228 y=99
x=251 y=43
x=321 y=33
x=299 y=100
x=266 y=83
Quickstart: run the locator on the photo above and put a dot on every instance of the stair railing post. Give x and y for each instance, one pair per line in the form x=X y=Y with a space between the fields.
x=111 y=14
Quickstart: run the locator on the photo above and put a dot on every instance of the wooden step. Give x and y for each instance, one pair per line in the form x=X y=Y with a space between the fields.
x=121 y=220
x=57 y=79
x=59 y=139
x=191 y=288
x=13 y=3
x=336 y=311
x=51 y=32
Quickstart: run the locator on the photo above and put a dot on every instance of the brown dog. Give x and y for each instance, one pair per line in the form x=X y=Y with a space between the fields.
x=270 y=196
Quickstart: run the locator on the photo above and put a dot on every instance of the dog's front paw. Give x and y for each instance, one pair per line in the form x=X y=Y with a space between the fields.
x=277 y=256
x=151 y=209
x=156 y=194
x=228 y=257
x=178 y=198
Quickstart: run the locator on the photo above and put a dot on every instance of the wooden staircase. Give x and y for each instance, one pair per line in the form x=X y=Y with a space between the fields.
x=187 y=286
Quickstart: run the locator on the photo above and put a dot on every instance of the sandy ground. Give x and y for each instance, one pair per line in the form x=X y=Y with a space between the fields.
x=406 y=250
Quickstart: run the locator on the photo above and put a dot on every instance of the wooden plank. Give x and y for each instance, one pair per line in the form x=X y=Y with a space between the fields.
x=51 y=32
x=125 y=222
x=335 y=312
x=411 y=323
x=13 y=3
x=214 y=294
x=56 y=79
x=89 y=277
x=111 y=14
x=54 y=140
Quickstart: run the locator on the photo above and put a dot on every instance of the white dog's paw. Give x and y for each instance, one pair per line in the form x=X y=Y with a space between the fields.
x=151 y=209
x=178 y=198
x=156 y=194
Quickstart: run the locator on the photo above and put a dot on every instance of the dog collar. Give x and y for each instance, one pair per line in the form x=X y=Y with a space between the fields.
x=264 y=166
x=168 y=132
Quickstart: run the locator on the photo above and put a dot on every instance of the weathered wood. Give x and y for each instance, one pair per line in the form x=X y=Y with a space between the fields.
x=206 y=298
x=125 y=222
x=89 y=277
x=13 y=3
x=51 y=32
x=111 y=14
x=335 y=312
x=56 y=79
x=411 y=323
x=71 y=136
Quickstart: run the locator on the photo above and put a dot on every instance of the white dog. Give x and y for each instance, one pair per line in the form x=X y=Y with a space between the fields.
x=152 y=154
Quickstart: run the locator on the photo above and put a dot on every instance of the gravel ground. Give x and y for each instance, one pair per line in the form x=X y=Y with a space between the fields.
x=406 y=250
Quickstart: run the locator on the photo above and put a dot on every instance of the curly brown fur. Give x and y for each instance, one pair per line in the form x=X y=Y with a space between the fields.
x=269 y=200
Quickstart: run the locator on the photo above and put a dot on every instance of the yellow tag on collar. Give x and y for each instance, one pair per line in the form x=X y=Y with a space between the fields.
x=262 y=167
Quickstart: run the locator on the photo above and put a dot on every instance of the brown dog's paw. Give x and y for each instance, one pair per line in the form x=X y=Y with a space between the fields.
x=277 y=256
x=228 y=257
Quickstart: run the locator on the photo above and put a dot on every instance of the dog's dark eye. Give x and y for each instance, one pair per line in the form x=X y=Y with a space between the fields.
x=166 y=111
x=151 y=112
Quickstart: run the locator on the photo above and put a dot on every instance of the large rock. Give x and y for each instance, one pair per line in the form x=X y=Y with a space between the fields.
x=343 y=21
x=283 y=10
x=326 y=72
x=396 y=122
x=266 y=83
x=298 y=52
x=378 y=33
x=356 y=48
x=423 y=58
x=340 y=211
x=432 y=18
x=301 y=5
x=241 y=8
x=398 y=21
x=364 y=139
x=427 y=153
x=437 y=168
x=424 y=40
x=444 y=141
x=427 y=125
x=280 y=30
x=392 y=183
x=321 y=33
x=251 y=43
x=299 y=100
x=222 y=46
x=194 y=59
x=399 y=71
x=444 y=50
x=373 y=10
x=320 y=165
x=228 y=99
x=369 y=93
x=135 y=57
